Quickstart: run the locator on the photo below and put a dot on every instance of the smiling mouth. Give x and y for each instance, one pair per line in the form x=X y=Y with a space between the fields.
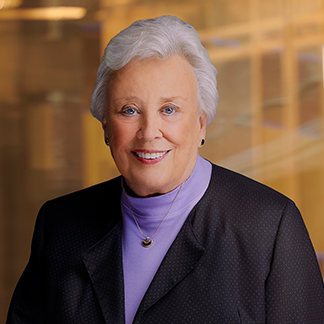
x=150 y=156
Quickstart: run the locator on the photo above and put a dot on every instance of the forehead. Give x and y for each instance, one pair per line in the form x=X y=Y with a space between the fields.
x=173 y=76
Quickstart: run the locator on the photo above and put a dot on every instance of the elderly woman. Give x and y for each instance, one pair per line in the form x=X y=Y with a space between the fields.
x=174 y=239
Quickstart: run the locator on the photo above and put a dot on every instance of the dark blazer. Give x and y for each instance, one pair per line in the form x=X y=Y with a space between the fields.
x=242 y=256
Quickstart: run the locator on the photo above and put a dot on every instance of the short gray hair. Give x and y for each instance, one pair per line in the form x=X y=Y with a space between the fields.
x=161 y=37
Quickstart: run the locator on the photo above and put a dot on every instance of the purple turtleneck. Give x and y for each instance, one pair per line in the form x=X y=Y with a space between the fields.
x=140 y=263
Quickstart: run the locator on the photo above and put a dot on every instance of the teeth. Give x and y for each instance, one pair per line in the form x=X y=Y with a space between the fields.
x=150 y=156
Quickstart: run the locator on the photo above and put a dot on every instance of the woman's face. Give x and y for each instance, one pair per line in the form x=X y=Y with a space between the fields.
x=153 y=123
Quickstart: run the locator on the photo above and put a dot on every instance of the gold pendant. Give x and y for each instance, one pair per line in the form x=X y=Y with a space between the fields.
x=146 y=243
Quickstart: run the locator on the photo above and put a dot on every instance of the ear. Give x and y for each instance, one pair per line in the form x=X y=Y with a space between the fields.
x=104 y=122
x=202 y=127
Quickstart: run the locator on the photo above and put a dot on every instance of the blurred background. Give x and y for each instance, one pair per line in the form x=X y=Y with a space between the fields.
x=269 y=124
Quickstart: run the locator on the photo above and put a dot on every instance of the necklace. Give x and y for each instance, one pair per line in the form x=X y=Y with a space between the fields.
x=148 y=239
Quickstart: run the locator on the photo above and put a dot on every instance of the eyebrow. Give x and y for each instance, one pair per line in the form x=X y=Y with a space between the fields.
x=132 y=98
x=162 y=100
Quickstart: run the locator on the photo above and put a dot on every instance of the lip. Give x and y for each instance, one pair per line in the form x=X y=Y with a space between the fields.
x=152 y=159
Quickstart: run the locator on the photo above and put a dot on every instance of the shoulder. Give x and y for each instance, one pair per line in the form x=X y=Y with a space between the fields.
x=241 y=214
x=97 y=194
x=93 y=210
x=99 y=190
x=230 y=186
x=237 y=204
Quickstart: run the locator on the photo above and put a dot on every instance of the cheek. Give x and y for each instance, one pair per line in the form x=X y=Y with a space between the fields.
x=112 y=127
x=189 y=132
x=114 y=132
x=185 y=137
x=120 y=134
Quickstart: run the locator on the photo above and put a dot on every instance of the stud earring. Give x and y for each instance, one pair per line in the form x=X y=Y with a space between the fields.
x=202 y=142
x=107 y=141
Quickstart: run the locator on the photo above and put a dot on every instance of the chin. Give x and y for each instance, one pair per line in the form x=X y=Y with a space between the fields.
x=149 y=187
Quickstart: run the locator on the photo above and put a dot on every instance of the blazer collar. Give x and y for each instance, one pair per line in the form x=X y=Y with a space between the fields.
x=182 y=257
x=105 y=268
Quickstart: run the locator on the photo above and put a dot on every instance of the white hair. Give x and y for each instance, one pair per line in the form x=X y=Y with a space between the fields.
x=161 y=37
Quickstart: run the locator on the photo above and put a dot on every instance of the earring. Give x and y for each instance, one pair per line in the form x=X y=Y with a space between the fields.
x=107 y=141
x=202 y=142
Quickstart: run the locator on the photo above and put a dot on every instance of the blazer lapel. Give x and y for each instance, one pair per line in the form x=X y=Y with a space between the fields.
x=104 y=265
x=181 y=258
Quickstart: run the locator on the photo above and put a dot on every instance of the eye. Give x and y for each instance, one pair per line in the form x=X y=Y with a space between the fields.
x=169 y=110
x=129 y=111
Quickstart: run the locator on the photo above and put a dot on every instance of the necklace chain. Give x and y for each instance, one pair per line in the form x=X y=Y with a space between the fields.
x=148 y=239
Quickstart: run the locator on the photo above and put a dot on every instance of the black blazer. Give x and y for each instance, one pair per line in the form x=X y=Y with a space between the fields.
x=242 y=256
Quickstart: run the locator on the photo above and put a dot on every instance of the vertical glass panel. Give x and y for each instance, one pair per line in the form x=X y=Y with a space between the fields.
x=310 y=148
x=229 y=135
x=272 y=91
x=310 y=89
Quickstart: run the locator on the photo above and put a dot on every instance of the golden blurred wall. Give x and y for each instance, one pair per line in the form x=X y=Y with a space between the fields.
x=269 y=123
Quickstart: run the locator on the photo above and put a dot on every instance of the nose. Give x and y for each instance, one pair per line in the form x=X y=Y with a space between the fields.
x=149 y=128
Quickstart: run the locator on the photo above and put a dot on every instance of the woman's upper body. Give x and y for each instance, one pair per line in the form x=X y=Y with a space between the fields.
x=243 y=255
x=240 y=255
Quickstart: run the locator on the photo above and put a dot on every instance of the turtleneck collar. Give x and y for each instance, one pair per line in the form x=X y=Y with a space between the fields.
x=157 y=206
